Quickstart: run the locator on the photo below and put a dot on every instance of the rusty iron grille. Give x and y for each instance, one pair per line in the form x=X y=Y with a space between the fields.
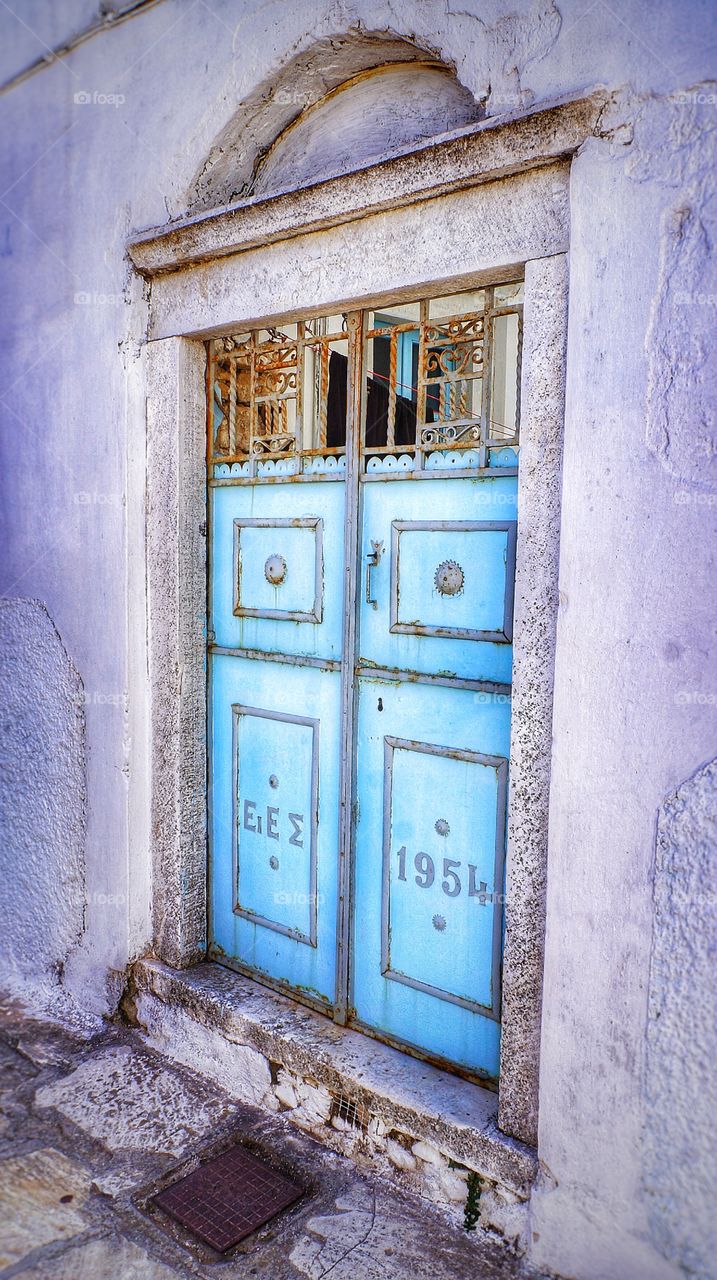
x=437 y=382
x=228 y=1198
x=278 y=393
x=353 y=1114
x=443 y=380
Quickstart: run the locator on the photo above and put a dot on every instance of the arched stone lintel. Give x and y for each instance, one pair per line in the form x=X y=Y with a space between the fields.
x=311 y=82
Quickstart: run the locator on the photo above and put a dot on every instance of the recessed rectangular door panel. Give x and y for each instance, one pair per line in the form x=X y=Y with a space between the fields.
x=276 y=568
x=274 y=737
x=439 y=592
x=432 y=766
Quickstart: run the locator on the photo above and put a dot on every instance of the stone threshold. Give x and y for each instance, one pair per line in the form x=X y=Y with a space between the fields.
x=289 y=1058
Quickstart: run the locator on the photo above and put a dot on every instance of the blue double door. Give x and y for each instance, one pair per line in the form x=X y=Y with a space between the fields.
x=358 y=798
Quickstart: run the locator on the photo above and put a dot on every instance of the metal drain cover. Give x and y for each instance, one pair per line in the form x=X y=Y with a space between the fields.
x=227 y=1198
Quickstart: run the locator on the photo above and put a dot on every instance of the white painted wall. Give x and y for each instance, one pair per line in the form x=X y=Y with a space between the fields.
x=636 y=687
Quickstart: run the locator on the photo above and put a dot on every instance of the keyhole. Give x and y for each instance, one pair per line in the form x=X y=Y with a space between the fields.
x=380 y=704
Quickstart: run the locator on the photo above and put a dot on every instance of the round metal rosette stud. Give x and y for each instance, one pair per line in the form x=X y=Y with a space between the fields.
x=275 y=570
x=449 y=578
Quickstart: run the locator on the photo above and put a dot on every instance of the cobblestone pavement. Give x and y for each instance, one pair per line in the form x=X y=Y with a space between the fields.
x=90 y=1129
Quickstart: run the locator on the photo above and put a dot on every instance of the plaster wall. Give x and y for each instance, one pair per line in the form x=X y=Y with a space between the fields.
x=112 y=138
x=42 y=802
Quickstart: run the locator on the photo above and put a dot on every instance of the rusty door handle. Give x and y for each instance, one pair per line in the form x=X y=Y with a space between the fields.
x=371 y=563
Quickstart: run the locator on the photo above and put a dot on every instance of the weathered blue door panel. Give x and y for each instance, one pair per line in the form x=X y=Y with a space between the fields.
x=432 y=762
x=274 y=550
x=460 y=530
x=430 y=839
x=274 y=820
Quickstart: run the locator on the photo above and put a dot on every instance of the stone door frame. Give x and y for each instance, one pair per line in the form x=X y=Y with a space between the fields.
x=485 y=205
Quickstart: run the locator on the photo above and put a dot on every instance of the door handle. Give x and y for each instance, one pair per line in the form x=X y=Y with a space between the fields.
x=371 y=563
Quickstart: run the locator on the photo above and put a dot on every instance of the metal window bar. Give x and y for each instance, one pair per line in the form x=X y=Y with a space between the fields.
x=487 y=389
x=324 y=358
x=509 y=440
x=392 y=371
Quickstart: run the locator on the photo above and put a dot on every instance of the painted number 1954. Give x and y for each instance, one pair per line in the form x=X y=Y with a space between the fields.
x=451 y=883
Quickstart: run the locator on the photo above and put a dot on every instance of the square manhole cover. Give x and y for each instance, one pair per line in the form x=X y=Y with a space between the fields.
x=227 y=1198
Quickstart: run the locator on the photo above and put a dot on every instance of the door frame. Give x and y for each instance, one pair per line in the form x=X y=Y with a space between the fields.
x=249 y=284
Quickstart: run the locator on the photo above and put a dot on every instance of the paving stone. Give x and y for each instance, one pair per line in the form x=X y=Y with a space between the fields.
x=32 y=1212
x=47 y=1050
x=106 y=1259
x=131 y=1102
x=13 y=1068
x=149 y=1112
x=374 y=1234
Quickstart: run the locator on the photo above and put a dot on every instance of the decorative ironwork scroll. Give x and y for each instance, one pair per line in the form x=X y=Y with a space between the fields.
x=440 y=390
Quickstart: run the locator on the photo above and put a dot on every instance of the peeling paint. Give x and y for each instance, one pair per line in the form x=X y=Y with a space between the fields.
x=507 y=49
x=675 y=146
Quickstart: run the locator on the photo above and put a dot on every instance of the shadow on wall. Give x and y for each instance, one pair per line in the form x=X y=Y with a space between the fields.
x=43 y=798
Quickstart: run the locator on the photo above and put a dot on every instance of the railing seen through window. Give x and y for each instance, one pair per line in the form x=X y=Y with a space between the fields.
x=440 y=387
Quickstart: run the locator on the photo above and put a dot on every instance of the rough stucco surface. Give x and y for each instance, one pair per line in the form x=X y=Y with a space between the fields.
x=633 y=712
x=492 y=59
x=680 y=1076
x=42 y=800
x=176 y=574
x=273 y=105
x=536 y=603
x=676 y=146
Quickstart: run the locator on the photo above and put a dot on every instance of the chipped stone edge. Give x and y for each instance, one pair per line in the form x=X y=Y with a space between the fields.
x=491 y=150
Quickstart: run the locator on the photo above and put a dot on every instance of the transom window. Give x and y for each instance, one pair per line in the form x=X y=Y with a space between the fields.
x=438 y=377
